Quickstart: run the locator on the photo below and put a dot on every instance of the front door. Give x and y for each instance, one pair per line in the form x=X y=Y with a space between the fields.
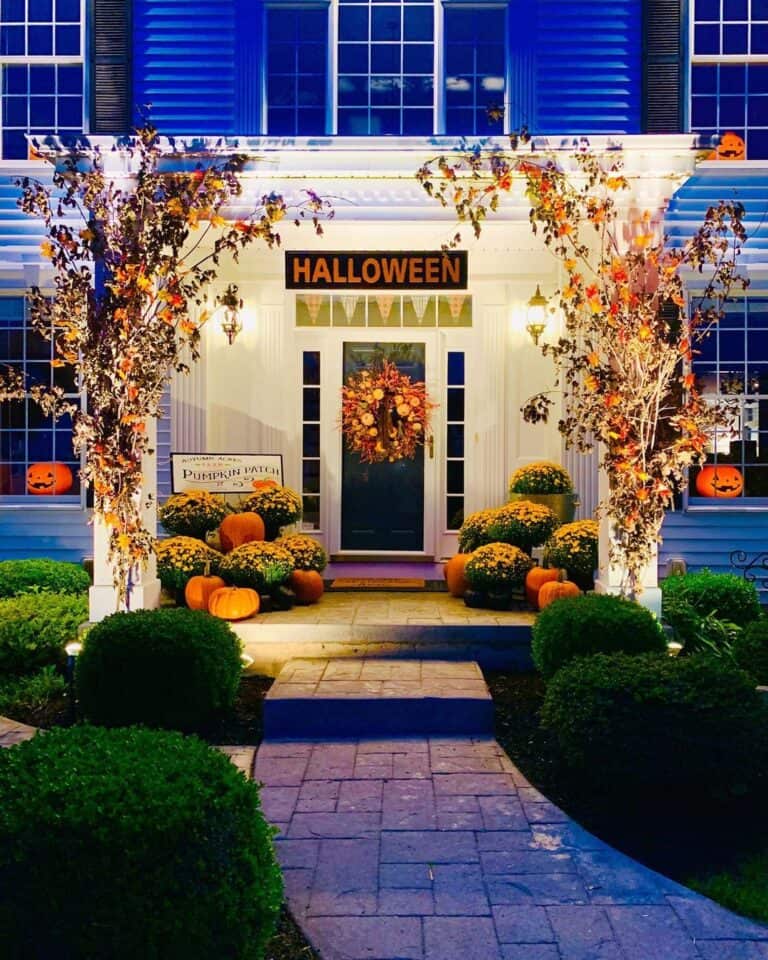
x=382 y=504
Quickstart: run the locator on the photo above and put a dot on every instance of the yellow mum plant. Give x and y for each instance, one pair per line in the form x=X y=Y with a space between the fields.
x=307 y=553
x=192 y=513
x=543 y=476
x=497 y=568
x=179 y=558
x=574 y=547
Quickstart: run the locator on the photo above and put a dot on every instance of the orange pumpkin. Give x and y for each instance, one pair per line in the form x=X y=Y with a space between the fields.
x=731 y=147
x=453 y=571
x=49 y=479
x=234 y=603
x=535 y=580
x=239 y=528
x=556 y=590
x=264 y=484
x=307 y=585
x=719 y=480
x=198 y=590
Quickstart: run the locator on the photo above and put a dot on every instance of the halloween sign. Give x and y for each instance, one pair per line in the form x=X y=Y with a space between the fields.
x=399 y=270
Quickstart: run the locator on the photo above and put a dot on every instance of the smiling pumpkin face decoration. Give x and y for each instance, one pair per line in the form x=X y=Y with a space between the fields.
x=719 y=481
x=49 y=479
x=731 y=147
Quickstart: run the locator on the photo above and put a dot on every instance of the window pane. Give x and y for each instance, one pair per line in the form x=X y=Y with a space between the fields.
x=297 y=41
x=475 y=56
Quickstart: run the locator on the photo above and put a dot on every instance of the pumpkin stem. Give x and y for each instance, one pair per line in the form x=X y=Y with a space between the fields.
x=207 y=569
x=561 y=575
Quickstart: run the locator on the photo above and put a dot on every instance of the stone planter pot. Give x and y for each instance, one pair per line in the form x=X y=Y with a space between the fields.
x=563 y=505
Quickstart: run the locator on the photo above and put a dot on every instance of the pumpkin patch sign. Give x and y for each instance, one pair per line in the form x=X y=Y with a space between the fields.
x=226 y=472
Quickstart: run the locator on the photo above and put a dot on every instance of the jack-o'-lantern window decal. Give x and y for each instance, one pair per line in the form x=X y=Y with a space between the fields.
x=731 y=147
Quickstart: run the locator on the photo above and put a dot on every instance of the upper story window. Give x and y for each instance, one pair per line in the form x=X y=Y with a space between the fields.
x=729 y=71
x=297 y=70
x=386 y=64
x=475 y=69
x=41 y=71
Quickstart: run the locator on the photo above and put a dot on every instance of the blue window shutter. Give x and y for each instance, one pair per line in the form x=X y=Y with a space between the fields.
x=111 y=105
x=185 y=63
x=588 y=65
x=662 y=81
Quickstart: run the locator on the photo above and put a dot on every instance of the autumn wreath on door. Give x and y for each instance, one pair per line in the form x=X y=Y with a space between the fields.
x=384 y=414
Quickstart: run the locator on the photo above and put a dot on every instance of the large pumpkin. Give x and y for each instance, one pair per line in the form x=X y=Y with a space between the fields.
x=719 y=480
x=49 y=479
x=454 y=574
x=240 y=528
x=307 y=585
x=535 y=580
x=556 y=590
x=234 y=603
x=198 y=590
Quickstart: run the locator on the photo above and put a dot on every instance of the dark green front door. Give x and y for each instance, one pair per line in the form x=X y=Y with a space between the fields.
x=382 y=504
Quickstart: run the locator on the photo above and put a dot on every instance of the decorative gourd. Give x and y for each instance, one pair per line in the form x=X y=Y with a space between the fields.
x=719 y=480
x=535 y=580
x=49 y=479
x=198 y=590
x=234 y=603
x=556 y=590
x=240 y=528
x=307 y=585
x=454 y=574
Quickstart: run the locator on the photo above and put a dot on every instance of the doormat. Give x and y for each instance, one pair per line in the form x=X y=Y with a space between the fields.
x=377 y=583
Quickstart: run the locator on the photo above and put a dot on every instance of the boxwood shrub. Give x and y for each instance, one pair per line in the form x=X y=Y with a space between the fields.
x=750 y=651
x=173 y=668
x=592 y=623
x=724 y=595
x=21 y=576
x=35 y=627
x=692 y=722
x=127 y=844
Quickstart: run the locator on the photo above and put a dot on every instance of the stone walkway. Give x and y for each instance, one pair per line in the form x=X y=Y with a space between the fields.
x=439 y=849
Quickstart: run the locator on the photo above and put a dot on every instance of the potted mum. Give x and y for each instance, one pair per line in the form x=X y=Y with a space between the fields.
x=545 y=482
x=277 y=506
x=573 y=547
x=495 y=573
x=193 y=513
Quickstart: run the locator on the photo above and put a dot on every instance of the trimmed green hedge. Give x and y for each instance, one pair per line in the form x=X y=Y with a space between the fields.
x=128 y=844
x=724 y=595
x=750 y=651
x=23 y=576
x=692 y=722
x=34 y=629
x=172 y=667
x=592 y=623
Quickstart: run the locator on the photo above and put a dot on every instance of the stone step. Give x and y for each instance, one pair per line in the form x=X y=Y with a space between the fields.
x=315 y=699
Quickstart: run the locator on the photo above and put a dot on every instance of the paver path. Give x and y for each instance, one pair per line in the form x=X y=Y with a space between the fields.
x=439 y=849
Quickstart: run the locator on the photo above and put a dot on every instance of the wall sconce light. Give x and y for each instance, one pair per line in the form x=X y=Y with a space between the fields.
x=231 y=323
x=537 y=315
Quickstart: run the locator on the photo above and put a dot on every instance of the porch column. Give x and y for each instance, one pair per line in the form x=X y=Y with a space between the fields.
x=145 y=594
x=611 y=577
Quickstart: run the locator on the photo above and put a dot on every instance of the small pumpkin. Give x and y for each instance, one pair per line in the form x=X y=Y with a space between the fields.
x=307 y=585
x=453 y=571
x=264 y=484
x=234 y=603
x=240 y=528
x=535 y=580
x=51 y=479
x=556 y=590
x=198 y=590
x=719 y=480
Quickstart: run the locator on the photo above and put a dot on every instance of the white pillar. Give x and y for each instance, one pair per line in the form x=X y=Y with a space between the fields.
x=612 y=577
x=145 y=593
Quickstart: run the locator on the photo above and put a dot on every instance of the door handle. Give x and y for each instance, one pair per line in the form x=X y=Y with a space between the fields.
x=432 y=447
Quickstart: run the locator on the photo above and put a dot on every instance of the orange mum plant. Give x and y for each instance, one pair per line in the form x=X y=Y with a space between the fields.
x=629 y=331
